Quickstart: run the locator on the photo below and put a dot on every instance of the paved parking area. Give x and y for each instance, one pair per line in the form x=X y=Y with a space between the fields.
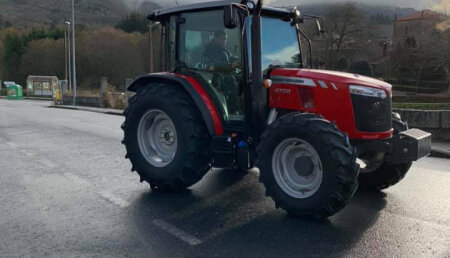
x=66 y=190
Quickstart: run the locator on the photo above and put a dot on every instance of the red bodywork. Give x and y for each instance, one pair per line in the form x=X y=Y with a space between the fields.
x=215 y=115
x=314 y=91
x=325 y=93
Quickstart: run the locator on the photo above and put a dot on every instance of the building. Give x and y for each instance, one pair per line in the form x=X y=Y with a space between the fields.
x=42 y=86
x=415 y=25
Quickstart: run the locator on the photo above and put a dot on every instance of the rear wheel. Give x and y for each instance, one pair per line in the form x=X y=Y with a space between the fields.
x=376 y=173
x=307 y=166
x=166 y=139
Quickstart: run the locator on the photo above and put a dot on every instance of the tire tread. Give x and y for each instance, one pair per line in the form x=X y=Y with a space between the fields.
x=347 y=171
x=198 y=160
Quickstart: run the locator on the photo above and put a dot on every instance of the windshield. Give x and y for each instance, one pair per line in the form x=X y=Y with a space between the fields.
x=280 y=45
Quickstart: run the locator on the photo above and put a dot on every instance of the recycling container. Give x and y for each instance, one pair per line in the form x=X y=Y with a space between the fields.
x=14 y=92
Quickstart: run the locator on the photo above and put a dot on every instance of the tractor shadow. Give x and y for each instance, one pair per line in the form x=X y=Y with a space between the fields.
x=278 y=234
x=229 y=211
x=157 y=205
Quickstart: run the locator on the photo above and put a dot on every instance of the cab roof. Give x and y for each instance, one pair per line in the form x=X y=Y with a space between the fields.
x=211 y=5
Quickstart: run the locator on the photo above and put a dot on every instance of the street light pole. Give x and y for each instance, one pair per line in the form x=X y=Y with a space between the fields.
x=73 y=56
x=69 y=60
x=65 y=54
x=150 y=57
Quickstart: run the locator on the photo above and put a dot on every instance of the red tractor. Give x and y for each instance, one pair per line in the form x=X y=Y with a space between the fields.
x=233 y=91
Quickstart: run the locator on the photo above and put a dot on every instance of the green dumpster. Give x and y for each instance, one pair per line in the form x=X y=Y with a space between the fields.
x=14 y=92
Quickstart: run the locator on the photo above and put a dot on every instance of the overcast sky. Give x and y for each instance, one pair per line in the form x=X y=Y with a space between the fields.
x=417 y=4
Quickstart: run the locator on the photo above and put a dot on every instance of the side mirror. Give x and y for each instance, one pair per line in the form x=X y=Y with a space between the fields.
x=230 y=16
x=320 y=29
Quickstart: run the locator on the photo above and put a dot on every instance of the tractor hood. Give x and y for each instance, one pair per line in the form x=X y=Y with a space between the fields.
x=333 y=77
x=360 y=105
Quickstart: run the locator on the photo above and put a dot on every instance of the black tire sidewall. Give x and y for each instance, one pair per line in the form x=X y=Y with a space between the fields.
x=142 y=106
x=330 y=169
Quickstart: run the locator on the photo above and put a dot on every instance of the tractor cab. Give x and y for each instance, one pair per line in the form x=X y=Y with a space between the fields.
x=194 y=40
x=230 y=88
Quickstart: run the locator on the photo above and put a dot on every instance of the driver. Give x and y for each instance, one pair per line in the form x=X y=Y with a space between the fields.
x=217 y=56
x=222 y=63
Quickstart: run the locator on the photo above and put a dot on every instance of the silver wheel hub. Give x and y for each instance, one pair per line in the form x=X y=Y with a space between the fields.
x=371 y=162
x=157 y=138
x=297 y=168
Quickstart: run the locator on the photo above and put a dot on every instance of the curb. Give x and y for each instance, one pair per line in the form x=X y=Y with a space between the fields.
x=94 y=110
x=31 y=98
x=435 y=153
x=38 y=98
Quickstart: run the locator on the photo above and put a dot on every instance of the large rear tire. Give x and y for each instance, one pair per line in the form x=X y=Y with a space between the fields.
x=307 y=166
x=378 y=174
x=166 y=138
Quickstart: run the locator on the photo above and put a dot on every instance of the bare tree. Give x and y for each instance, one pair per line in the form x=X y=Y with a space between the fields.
x=426 y=56
x=43 y=57
x=440 y=45
x=441 y=6
x=110 y=52
x=349 y=33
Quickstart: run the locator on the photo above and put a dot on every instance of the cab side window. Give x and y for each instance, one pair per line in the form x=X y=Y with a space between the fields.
x=208 y=49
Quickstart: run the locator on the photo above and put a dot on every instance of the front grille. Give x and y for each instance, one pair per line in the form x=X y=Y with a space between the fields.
x=372 y=114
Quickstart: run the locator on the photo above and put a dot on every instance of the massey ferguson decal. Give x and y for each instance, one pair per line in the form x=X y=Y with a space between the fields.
x=293 y=80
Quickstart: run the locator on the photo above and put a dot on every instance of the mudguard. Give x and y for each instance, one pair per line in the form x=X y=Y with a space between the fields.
x=204 y=103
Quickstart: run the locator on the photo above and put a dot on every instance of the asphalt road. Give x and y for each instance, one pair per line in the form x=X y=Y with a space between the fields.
x=66 y=191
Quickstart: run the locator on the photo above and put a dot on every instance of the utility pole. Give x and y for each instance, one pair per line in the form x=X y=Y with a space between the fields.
x=74 y=56
x=150 y=54
x=69 y=61
x=65 y=54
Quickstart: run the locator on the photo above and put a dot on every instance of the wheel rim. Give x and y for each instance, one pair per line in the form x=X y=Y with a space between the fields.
x=297 y=168
x=371 y=162
x=157 y=138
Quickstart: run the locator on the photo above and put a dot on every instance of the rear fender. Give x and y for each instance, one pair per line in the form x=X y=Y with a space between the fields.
x=209 y=113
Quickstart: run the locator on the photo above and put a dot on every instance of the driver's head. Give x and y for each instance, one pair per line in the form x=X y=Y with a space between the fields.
x=220 y=38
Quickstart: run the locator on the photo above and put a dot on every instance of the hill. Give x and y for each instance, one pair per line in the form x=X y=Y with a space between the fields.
x=36 y=12
x=387 y=11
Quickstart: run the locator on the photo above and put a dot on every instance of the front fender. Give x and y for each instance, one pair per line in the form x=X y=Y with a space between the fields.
x=210 y=114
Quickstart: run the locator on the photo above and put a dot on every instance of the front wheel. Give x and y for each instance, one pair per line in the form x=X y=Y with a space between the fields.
x=376 y=173
x=307 y=166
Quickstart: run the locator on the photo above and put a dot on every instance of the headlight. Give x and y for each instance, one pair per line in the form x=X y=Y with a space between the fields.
x=368 y=91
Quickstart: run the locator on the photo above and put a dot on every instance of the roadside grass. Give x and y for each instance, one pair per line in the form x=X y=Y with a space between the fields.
x=85 y=93
x=422 y=106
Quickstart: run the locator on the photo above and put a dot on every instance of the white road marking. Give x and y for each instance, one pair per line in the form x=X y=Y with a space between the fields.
x=186 y=237
x=26 y=152
x=47 y=163
x=29 y=154
x=12 y=144
x=23 y=132
x=115 y=200
x=76 y=179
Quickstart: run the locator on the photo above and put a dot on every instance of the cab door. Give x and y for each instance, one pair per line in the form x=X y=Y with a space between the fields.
x=213 y=55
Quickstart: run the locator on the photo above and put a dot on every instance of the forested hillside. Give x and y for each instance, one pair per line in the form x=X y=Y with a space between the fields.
x=26 y=13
